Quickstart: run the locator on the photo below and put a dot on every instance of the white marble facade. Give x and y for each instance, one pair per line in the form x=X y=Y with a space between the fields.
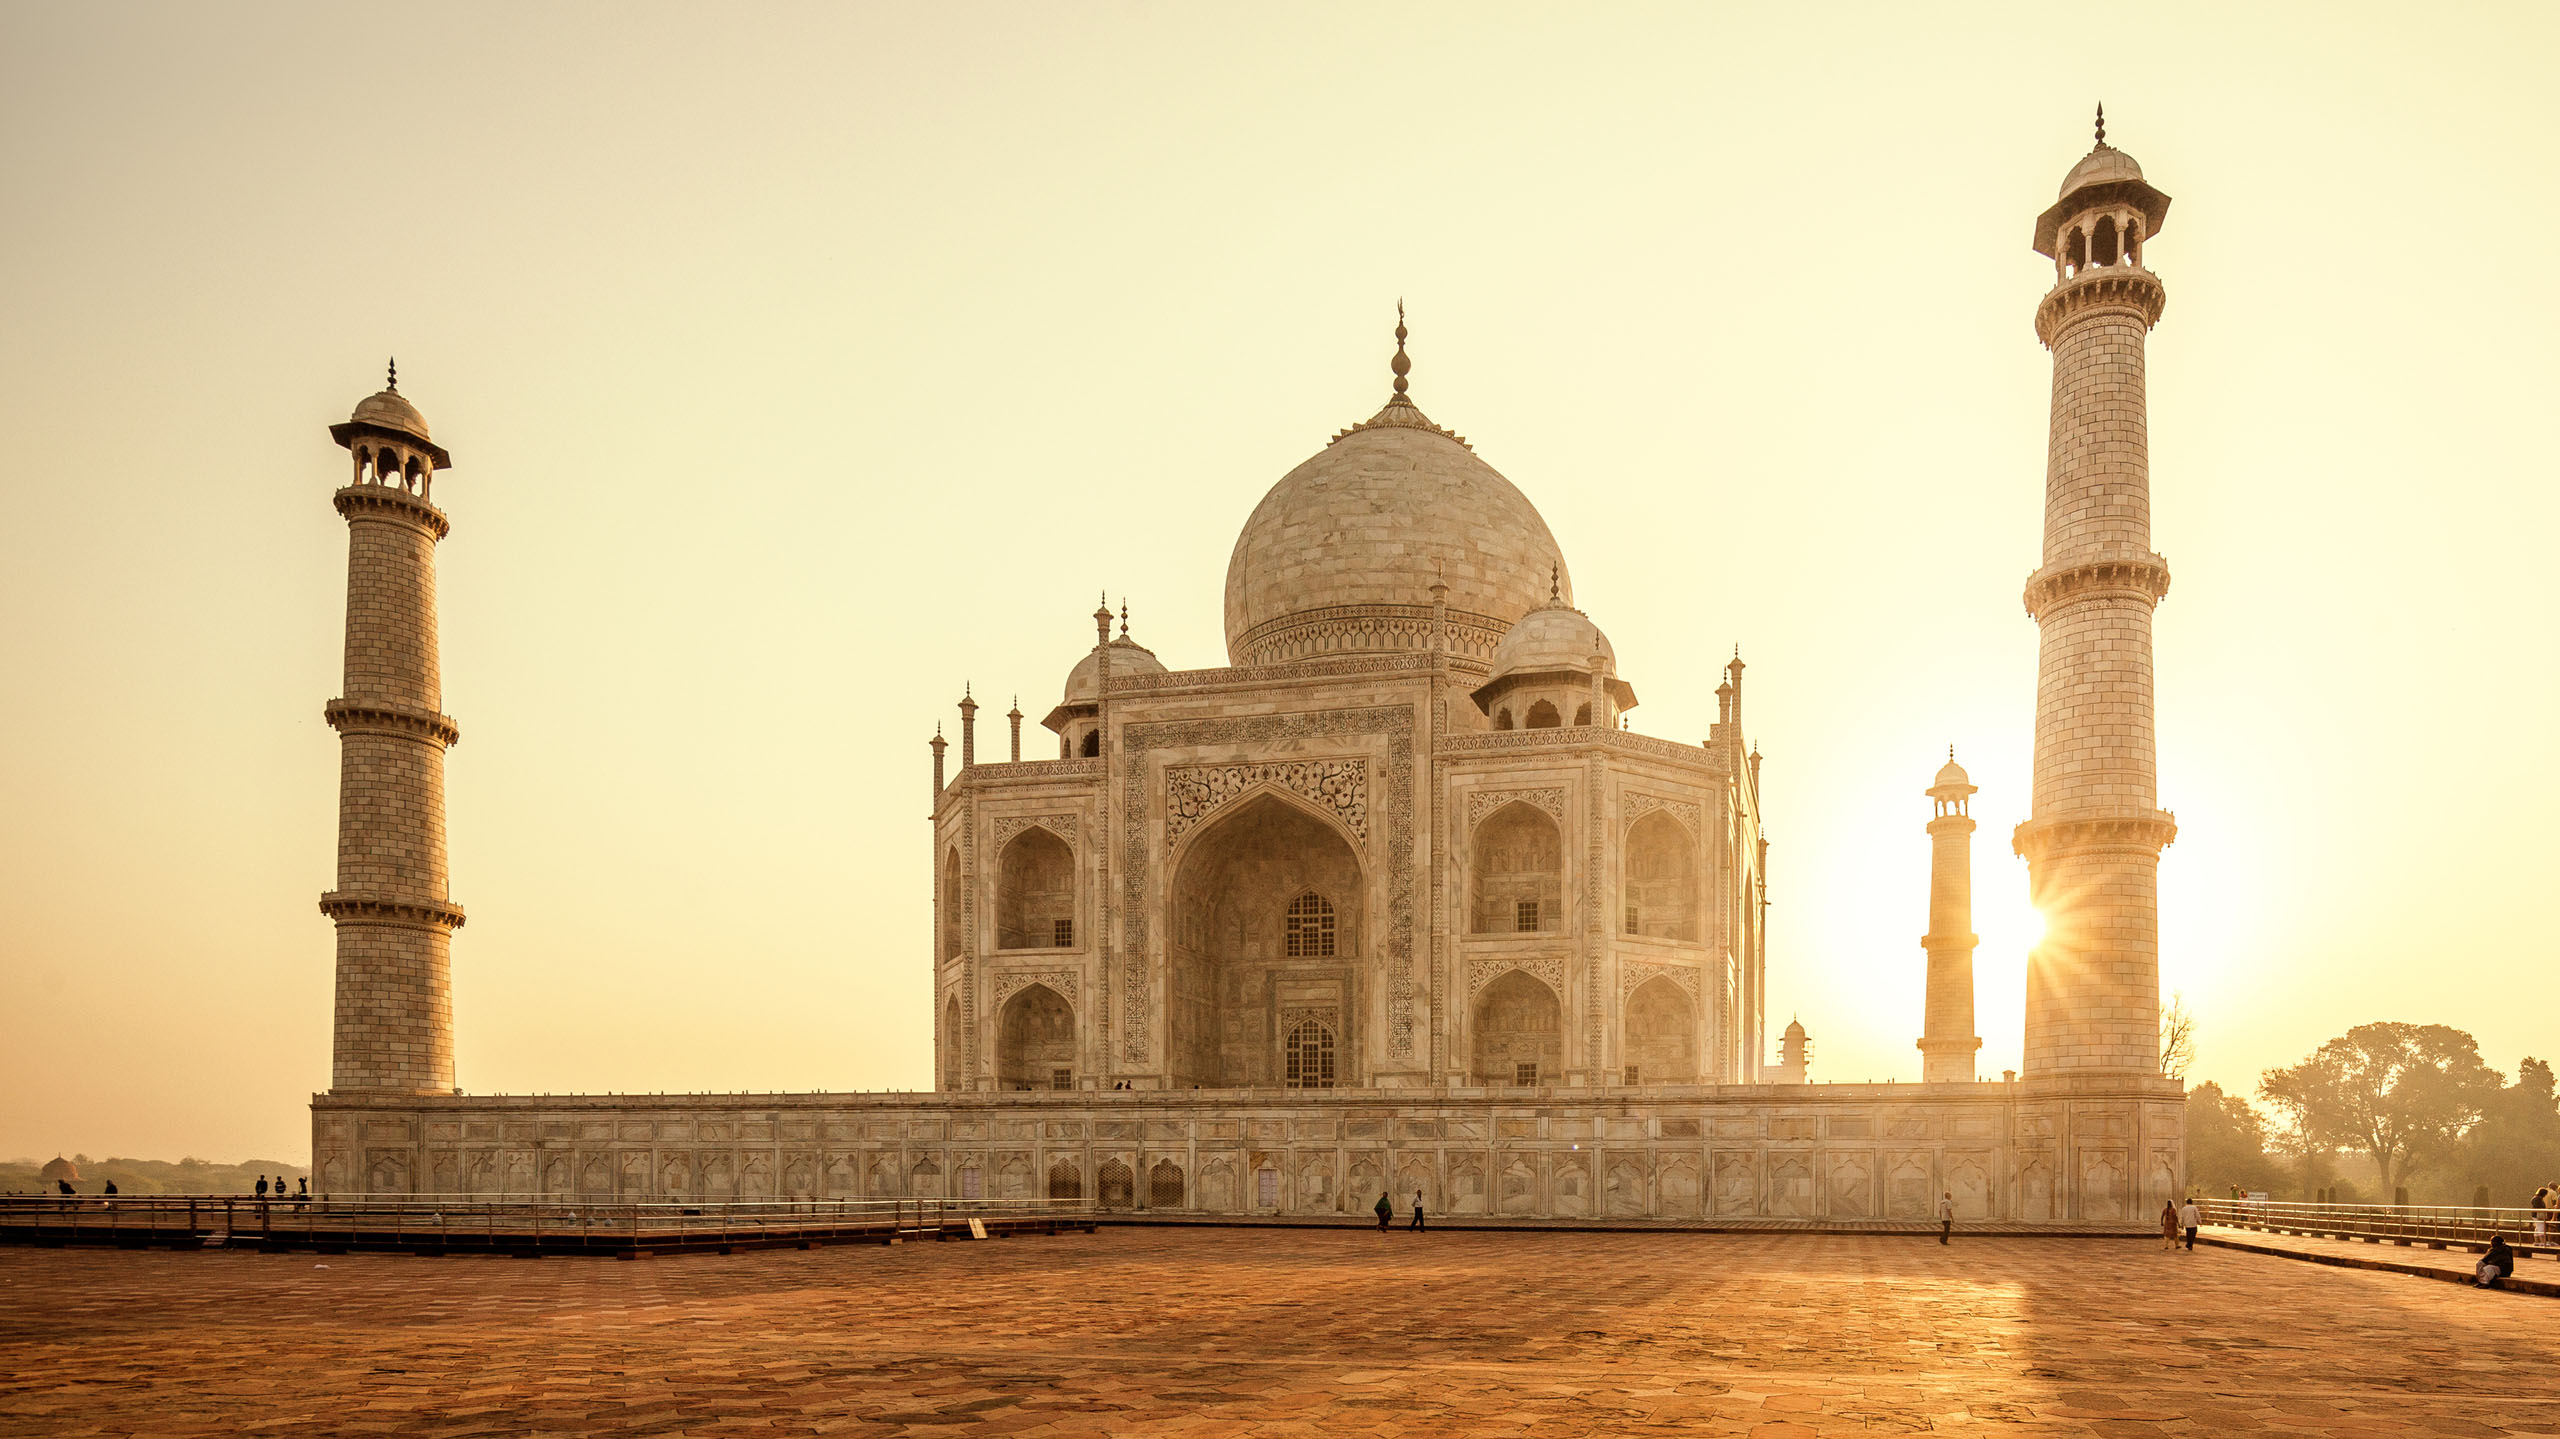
x=1395 y=899
x=1402 y=842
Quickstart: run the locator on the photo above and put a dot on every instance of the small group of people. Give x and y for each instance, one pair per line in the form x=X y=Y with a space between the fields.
x=281 y=1191
x=2175 y=1217
x=1386 y=1209
x=2499 y=1263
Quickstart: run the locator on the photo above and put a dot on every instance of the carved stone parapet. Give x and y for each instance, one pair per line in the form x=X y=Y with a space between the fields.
x=350 y=907
x=393 y=502
x=1024 y=771
x=2126 y=289
x=389 y=716
x=2041 y=839
x=1257 y=673
x=2144 y=578
x=1571 y=737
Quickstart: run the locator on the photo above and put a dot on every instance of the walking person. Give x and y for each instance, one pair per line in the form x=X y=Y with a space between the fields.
x=1946 y=1215
x=2168 y=1224
x=1417 y=1212
x=2544 y=1201
x=1386 y=1210
x=2189 y=1217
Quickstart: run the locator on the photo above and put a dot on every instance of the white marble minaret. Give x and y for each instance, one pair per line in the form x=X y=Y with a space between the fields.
x=2093 y=839
x=393 y=906
x=1947 y=1040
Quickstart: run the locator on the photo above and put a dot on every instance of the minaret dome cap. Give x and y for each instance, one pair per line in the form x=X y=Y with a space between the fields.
x=1952 y=782
x=2100 y=166
x=389 y=415
x=2105 y=176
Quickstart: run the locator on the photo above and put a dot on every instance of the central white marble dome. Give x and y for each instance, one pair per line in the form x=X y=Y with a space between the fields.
x=1340 y=555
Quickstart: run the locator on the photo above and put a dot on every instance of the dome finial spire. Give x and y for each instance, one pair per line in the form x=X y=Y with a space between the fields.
x=393 y=383
x=1124 y=617
x=1402 y=364
x=1555 y=581
x=2102 y=122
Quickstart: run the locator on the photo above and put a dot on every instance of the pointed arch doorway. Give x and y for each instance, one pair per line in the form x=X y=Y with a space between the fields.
x=1265 y=942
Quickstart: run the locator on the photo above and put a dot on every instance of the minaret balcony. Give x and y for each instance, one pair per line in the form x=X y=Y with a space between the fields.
x=390 y=717
x=2127 y=288
x=357 y=907
x=2038 y=840
x=395 y=502
x=2132 y=577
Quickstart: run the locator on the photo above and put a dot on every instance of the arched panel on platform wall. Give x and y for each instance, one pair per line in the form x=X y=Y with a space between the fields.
x=1662 y=892
x=1662 y=1035
x=1268 y=925
x=1036 y=892
x=948 y=897
x=1036 y=1041
x=1518 y=1029
x=954 y=1069
x=1515 y=872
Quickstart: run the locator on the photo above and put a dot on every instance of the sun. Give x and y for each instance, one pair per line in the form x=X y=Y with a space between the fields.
x=2009 y=924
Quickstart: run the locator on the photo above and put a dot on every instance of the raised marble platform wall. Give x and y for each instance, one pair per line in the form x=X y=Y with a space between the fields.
x=2089 y=1150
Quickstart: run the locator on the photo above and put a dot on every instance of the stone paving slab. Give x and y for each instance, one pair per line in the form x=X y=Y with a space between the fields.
x=2537 y=1275
x=1171 y=1331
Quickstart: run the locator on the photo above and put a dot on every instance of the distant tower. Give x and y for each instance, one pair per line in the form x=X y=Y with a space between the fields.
x=2093 y=838
x=1947 y=1040
x=393 y=902
x=1795 y=1055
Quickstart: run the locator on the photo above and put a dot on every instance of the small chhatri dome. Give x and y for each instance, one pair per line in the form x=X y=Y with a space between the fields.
x=1341 y=555
x=2099 y=167
x=1952 y=782
x=59 y=1168
x=1553 y=639
x=1128 y=657
x=2105 y=176
x=388 y=414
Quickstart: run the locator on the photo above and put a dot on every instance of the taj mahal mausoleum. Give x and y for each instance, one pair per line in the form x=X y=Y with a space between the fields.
x=1397 y=899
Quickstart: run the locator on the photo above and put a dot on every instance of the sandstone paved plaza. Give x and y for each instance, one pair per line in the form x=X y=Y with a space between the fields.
x=1275 y=1332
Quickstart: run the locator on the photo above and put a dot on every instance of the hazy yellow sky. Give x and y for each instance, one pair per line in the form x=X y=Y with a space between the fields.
x=800 y=364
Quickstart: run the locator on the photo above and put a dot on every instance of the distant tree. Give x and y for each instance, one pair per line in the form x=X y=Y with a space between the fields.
x=2227 y=1142
x=2402 y=1094
x=2515 y=1148
x=2177 y=1038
